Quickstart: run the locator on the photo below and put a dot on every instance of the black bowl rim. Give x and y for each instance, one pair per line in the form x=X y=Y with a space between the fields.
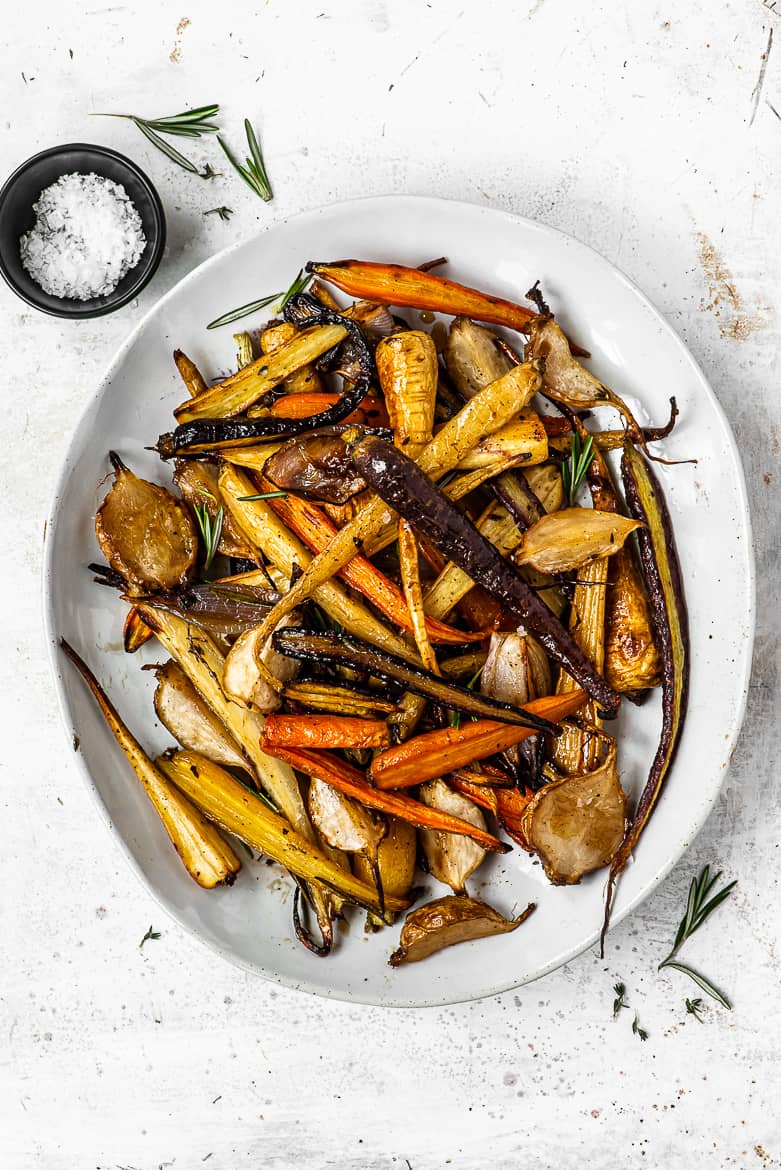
x=158 y=244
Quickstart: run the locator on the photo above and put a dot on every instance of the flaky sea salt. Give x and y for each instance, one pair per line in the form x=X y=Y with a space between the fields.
x=87 y=236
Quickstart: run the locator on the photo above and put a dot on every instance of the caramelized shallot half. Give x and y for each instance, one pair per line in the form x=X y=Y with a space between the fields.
x=571 y=538
x=317 y=466
x=145 y=533
x=451 y=857
x=448 y=921
x=576 y=825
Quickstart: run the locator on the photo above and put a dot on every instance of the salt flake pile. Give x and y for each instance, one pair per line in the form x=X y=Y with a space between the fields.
x=87 y=236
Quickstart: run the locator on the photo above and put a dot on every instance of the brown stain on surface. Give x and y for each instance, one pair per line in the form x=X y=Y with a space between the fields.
x=736 y=321
x=175 y=55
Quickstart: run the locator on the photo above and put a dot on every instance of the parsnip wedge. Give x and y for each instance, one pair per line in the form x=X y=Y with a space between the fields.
x=206 y=856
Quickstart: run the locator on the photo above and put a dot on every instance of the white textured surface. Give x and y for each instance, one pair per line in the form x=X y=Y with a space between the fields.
x=632 y=129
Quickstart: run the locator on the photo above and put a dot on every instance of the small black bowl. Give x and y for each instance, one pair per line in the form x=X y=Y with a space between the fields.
x=21 y=191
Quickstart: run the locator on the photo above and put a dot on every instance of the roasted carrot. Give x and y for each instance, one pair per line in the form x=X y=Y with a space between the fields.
x=324 y=731
x=312 y=526
x=370 y=413
x=436 y=753
x=349 y=780
x=395 y=284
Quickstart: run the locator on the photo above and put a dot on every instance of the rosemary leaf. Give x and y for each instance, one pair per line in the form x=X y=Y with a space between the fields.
x=242 y=311
x=254 y=172
x=620 y=1001
x=298 y=285
x=211 y=531
x=701 y=981
x=573 y=472
x=263 y=496
x=150 y=934
x=166 y=148
x=187 y=124
x=638 y=1031
x=694 y=1008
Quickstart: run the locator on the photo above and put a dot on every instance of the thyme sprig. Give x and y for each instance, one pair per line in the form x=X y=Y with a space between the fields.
x=699 y=907
x=620 y=1001
x=223 y=212
x=187 y=124
x=211 y=531
x=694 y=1008
x=638 y=1031
x=253 y=172
x=573 y=472
x=150 y=934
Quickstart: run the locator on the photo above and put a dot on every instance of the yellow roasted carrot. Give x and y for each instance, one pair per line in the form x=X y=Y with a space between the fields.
x=209 y=859
x=191 y=376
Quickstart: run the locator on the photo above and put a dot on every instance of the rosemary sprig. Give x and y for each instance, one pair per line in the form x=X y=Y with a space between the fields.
x=694 y=1008
x=243 y=311
x=211 y=531
x=254 y=172
x=698 y=909
x=638 y=1031
x=188 y=124
x=620 y=1001
x=223 y=212
x=153 y=934
x=573 y=472
x=263 y=496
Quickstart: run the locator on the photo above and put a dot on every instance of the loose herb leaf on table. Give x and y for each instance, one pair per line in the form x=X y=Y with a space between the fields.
x=188 y=124
x=699 y=907
x=253 y=172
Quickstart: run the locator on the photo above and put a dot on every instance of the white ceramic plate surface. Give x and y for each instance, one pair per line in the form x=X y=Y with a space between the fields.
x=637 y=353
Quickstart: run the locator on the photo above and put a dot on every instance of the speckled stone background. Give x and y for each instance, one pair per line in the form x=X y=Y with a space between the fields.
x=652 y=132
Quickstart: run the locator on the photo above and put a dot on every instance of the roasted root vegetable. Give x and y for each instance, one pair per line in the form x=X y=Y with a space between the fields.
x=370 y=412
x=349 y=780
x=239 y=811
x=191 y=376
x=393 y=284
x=396 y=856
x=473 y=356
x=325 y=731
x=317 y=466
x=662 y=575
x=632 y=664
x=406 y=488
x=571 y=538
x=576 y=825
x=190 y=720
x=435 y=753
x=206 y=856
x=343 y=650
x=134 y=631
x=302 y=381
x=451 y=858
x=241 y=677
x=338 y=699
x=145 y=533
x=447 y=921
x=407 y=370
x=344 y=824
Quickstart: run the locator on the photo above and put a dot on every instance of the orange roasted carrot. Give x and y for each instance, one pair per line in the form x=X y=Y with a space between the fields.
x=485 y=797
x=349 y=780
x=394 y=284
x=324 y=731
x=435 y=753
x=312 y=526
x=510 y=806
x=370 y=413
